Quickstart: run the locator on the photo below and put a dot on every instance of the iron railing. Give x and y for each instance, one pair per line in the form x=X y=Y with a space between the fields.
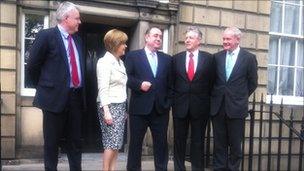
x=0 y=129
x=259 y=153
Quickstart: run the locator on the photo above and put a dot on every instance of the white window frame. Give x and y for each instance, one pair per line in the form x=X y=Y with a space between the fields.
x=165 y=40
x=288 y=100
x=164 y=1
x=28 y=91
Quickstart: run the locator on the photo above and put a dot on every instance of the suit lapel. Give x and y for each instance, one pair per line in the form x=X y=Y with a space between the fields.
x=119 y=68
x=200 y=63
x=181 y=64
x=145 y=61
x=78 y=46
x=160 y=64
x=222 y=64
x=238 y=62
x=62 y=48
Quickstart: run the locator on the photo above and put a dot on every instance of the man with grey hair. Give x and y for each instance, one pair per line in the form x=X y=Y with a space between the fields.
x=148 y=72
x=56 y=68
x=192 y=75
x=236 y=79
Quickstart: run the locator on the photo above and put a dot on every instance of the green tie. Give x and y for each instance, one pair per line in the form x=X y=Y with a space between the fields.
x=229 y=64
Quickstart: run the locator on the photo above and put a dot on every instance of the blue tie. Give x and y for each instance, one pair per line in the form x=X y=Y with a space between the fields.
x=229 y=64
x=153 y=63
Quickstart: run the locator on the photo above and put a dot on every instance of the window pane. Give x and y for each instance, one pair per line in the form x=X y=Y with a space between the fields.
x=27 y=81
x=293 y=1
x=273 y=50
x=300 y=83
x=276 y=17
x=291 y=23
x=27 y=45
x=272 y=80
x=286 y=81
x=300 y=60
x=302 y=25
x=33 y=23
x=287 y=52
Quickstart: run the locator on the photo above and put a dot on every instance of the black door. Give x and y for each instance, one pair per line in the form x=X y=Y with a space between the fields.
x=92 y=35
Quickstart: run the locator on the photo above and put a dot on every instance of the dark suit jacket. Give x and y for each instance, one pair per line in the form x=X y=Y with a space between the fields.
x=240 y=85
x=195 y=94
x=48 y=68
x=139 y=70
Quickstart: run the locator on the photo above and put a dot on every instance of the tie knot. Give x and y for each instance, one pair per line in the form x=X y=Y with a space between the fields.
x=152 y=54
x=191 y=55
x=69 y=37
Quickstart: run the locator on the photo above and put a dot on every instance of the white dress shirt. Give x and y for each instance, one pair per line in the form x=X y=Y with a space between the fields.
x=111 y=80
x=195 y=58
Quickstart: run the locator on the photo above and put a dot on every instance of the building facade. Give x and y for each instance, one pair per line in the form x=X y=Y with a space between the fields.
x=273 y=30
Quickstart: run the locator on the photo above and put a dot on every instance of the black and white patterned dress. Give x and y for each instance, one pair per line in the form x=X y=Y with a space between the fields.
x=111 y=80
x=112 y=135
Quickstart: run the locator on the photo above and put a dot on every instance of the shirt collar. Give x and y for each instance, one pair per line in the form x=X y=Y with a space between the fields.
x=195 y=53
x=64 y=33
x=148 y=51
x=235 y=51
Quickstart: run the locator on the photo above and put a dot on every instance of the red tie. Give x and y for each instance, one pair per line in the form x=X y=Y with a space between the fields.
x=75 y=78
x=191 y=67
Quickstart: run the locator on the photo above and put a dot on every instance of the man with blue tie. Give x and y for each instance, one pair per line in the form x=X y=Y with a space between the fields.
x=148 y=73
x=56 y=68
x=235 y=80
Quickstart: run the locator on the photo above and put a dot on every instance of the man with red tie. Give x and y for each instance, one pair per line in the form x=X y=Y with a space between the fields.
x=56 y=68
x=192 y=74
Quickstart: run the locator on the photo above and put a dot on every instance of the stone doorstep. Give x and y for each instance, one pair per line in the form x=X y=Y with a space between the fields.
x=90 y=161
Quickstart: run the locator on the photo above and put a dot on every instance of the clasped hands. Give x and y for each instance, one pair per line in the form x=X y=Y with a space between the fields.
x=145 y=86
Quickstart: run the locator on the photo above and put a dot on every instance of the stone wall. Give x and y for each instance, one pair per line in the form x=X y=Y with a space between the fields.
x=8 y=74
x=21 y=123
x=252 y=17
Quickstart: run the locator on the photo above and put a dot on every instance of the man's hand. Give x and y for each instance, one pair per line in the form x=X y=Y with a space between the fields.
x=145 y=86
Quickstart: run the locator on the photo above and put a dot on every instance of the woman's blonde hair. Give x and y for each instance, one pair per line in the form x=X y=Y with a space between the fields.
x=113 y=39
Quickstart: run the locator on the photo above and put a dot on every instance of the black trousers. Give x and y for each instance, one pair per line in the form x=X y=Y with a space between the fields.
x=158 y=124
x=198 y=127
x=228 y=136
x=66 y=124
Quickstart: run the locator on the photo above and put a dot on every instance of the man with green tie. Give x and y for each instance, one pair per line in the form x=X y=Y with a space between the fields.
x=235 y=80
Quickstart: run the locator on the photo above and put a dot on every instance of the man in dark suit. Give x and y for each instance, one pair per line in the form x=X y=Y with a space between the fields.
x=148 y=73
x=192 y=75
x=56 y=68
x=236 y=80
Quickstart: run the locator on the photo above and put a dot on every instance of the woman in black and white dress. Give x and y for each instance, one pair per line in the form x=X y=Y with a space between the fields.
x=112 y=96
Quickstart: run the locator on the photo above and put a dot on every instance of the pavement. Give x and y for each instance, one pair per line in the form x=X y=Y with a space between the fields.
x=90 y=162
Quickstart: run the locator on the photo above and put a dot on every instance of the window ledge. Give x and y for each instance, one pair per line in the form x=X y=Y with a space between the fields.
x=28 y=92
x=287 y=100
